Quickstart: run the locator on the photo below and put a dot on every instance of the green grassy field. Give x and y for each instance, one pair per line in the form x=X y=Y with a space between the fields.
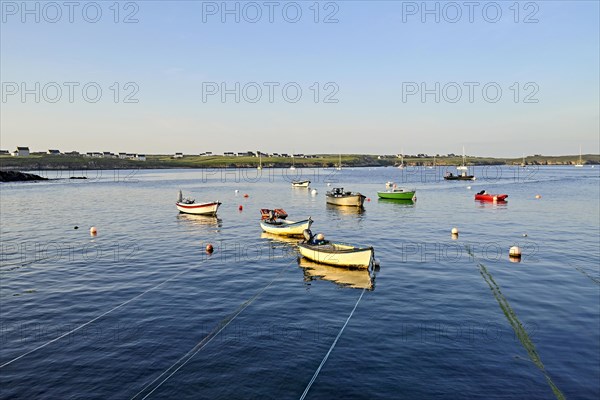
x=45 y=161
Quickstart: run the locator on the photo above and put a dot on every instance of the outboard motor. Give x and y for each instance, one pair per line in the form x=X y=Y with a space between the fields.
x=307 y=235
x=482 y=192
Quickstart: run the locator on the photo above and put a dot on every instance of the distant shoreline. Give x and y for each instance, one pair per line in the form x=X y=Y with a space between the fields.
x=69 y=162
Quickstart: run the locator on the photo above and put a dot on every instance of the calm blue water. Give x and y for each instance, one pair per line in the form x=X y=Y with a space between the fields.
x=141 y=310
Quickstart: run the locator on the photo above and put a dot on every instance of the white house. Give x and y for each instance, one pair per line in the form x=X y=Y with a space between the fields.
x=21 y=152
x=178 y=155
x=54 y=152
x=140 y=157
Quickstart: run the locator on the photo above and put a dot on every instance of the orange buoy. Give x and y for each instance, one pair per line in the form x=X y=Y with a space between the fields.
x=209 y=248
x=240 y=207
x=538 y=196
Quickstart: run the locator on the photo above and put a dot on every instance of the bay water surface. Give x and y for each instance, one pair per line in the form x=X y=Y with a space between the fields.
x=141 y=311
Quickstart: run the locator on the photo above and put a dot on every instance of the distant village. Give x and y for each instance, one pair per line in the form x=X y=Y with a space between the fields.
x=405 y=159
x=24 y=152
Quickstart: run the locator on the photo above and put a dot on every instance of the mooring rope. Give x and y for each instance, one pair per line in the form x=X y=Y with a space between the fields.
x=205 y=341
x=331 y=348
x=94 y=319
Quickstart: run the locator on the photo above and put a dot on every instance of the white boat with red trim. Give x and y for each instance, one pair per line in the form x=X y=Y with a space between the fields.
x=189 y=206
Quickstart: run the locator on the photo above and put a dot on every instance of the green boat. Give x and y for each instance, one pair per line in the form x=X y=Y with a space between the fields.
x=398 y=194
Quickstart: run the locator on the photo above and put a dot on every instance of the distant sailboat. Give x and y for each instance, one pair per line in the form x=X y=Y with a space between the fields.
x=523 y=162
x=293 y=168
x=580 y=163
x=463 y=172
x=339 y=167
x=259 y=161
x=432 y=166
x=401 y=166
x=463 y=166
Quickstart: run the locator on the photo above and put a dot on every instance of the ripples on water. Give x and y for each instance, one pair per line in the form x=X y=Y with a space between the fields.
x=442 y=318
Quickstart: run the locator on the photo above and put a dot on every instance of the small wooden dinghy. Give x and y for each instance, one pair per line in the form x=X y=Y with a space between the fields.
x=300 y=184
x=274 y=222
x=331 y=253
x=338 y=197
x=189 y=206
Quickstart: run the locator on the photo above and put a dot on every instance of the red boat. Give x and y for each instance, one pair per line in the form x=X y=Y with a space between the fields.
x=483 y=196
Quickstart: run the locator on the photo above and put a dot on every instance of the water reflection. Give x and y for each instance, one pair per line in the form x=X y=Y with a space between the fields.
x=200 y=220
x=402 y=202
x=493 y=205
x=279 y=238
x=344 y=210
x=345 y=277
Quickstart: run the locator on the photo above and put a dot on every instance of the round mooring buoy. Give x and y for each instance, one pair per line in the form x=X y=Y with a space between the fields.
x=93 y=230
x=515 y=251
x=454 y=231
x=241 y=207
x=209 y=248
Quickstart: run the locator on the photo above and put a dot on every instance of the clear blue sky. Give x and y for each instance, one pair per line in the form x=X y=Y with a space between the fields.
x=373 y=54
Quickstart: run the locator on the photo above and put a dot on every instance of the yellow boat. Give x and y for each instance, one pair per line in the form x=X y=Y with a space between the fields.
x=339 y=254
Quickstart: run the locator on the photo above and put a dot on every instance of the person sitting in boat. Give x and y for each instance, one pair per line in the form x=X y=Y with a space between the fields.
x=314 y=239
x=319 y=239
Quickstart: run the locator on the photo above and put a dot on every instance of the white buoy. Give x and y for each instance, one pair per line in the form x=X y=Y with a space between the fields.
x=455 y=231
x=469 y=187
x=236 y=191
x=314 y=192
x=329 y=184
x=524 y=235
x=514 y=251
x=93 y=231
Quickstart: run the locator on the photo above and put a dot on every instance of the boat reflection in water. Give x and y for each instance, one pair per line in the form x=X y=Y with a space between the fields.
x=345 y=210
x=280 y=238
x=345 y=277
x=281 y=246
x=200 y=220
x=404 y=202
x=488 y=204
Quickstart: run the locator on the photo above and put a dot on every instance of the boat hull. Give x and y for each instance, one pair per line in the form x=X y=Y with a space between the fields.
x=396 y=195
x=286 y=228
x=491 y=197
x=460 y=178
x=338 y=254
x=199 y=209
x=353 y=200
x=301 y=184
